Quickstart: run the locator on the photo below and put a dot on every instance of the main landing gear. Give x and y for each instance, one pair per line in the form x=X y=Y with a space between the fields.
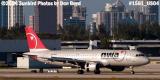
x=97 y=71
x=81 y=71
x=36 y=71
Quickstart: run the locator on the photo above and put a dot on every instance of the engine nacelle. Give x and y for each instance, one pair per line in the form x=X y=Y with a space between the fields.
x=91 y=66
x=117 y=68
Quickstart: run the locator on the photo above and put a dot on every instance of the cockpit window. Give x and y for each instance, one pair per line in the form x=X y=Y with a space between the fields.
x=137 y=55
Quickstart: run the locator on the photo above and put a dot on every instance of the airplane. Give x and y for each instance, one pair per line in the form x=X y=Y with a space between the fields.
x=84 y=60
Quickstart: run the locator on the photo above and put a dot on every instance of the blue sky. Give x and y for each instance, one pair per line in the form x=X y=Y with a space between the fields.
x=93 y=6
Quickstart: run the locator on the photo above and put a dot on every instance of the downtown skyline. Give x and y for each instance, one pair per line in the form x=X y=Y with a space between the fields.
x=90 y=5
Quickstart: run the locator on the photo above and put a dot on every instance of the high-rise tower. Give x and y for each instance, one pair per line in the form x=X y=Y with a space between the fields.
x=15 y=15
x=150 y=11
x=46 y=18
x=59 y=15
x=3 y=16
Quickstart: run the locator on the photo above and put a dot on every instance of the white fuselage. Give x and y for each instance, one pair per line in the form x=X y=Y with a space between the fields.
x=105 y=57
x=91 y=60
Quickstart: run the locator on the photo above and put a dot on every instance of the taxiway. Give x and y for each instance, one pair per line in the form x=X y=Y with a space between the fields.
x=151 y=71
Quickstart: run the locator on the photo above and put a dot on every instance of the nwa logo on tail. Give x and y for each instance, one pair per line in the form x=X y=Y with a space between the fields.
x=33 y=40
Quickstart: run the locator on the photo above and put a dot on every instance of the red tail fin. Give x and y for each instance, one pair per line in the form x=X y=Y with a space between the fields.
x=33 y=40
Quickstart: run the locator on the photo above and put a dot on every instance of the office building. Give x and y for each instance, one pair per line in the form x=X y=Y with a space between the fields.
x=74 y=21
x=118 y=6
x=71 y=15
x=31 y=21
x=108 y=7
x=151 y=12
x=3 y=16
x=100 y=19
x=154 y=12
x=94 y=18
x=59 y=15
x=74 y=15
x=11 y=16
x=36 y=19
x=110 y=17
x=116 y=13
x=67 y=12
x=46 y=18
x=15 y=15
x=139 y=17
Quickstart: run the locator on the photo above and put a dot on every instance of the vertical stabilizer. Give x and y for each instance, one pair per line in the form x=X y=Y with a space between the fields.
x=33 y=40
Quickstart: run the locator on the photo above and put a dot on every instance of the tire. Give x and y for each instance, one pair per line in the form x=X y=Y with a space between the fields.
x=80 y=72
x=132 y=72
x=41 y=70
x=34 y=71
x=97 y=71
x=88 y=70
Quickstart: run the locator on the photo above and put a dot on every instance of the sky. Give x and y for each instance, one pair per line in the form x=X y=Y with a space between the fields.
x=93 y=6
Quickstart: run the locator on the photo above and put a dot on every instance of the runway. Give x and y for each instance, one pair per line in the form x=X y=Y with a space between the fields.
x=86 y=75
x=144 y=72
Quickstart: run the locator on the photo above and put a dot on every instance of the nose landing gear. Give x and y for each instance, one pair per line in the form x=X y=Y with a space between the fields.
x=132 y=70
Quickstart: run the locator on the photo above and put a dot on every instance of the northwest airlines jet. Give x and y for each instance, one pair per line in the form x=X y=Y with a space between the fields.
x=89 y=60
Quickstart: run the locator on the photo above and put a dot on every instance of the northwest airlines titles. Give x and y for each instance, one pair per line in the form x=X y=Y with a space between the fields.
x=110 y=55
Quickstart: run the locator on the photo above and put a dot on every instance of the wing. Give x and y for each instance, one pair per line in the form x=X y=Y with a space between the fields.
x=60 y=61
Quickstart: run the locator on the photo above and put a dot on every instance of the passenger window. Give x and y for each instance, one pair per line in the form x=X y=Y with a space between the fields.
x=138 y=55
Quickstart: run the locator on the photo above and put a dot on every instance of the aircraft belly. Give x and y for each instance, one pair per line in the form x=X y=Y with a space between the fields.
x=114 y=62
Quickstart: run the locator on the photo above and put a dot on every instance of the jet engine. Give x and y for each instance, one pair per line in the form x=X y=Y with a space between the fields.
x=117 y=68
x=91 y=66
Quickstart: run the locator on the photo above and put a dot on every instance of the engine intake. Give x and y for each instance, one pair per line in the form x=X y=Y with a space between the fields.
x=117 y=68
x=92 y=66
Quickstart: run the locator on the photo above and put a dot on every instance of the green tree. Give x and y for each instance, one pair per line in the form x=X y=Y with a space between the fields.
x=16 y=32
x=126 y=31
x=73 y=32
x=150 y=31
x=105 y=43
x=147 y=30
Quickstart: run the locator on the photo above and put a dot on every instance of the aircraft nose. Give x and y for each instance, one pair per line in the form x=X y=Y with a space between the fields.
x=146 y=60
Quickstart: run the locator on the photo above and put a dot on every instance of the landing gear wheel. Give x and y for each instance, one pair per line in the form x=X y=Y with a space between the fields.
x=41 y=70
x=80 y=72
x=87 y=70
x=34 y=71
x=97 y=71
x=132 y=72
